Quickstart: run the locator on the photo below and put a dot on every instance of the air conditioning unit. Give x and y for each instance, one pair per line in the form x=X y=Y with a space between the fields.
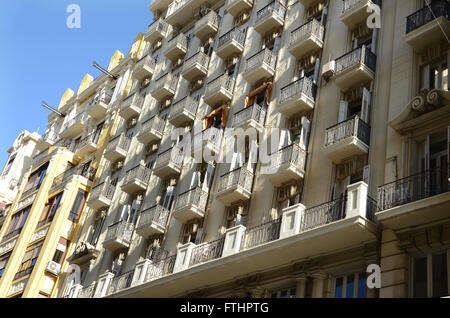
x=328 y=69
x=53 y=268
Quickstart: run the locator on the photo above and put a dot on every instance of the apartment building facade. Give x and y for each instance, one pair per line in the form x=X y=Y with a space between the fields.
x=359 y=175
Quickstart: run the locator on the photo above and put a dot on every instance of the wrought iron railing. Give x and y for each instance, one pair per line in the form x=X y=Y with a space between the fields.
x=135 y=100
x=233 y=34
x=237 y=177
x=353 y=127
x=146 y=60
x=103 y=189
x=80 y=117
x=413 y=188
x=261 y=234
x=222 y=81
x=305 y=85
x=361 y=55
x=211 y=136
x=293 y=154
x=62 y=178
x=198 y=58
x=154 y=124
x=211 y=17
x=274 y=7
x=265 y=56
x=158 y=26
x=195 y=196
x=187 y=104
x=161 y=268
x=173 y=155
x=312 y=27
x=254 y=112
x=423 y=16
x=120 y=282
x=175 y=6
x=323 y=214
x=121 y=141
x=180 y=40
x=350 y=4
x=89 y=139
x=207 y=251
x=50 y=137
x=120 y=230
x=140 y=173
x=103 y=97
x=156 y=214
x=87 y=292
x=168 y=81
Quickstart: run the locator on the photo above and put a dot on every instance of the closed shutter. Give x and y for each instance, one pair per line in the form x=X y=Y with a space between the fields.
x=366 y=174
x=365 y=107
x=306 y=129
x=343 y=111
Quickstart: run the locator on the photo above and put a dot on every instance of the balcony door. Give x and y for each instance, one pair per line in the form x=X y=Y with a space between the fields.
x=435 y=165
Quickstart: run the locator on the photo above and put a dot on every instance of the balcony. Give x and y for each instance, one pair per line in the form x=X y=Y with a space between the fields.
x=190 y=205
x=152 y=130
x=219 y=90
x=176 y=47
x=153 y=221
x=355 y=67
x=209 y=140
x=63 y=178
x=47 y=140
x=118 y=236
x=250 y=117
x=98 y=105
x=136 y=180
x=117 y=148
x=207 y=26
x=168 y=163
x=235 y=7
x=423 y=28
x=157 y=30
x=287 y=164
x=355 y=11
x=234 y=186
x=74 y=126
x=230 y=43
x=306 y=38
x=164 y=87
x=306 y=3
x=260 y=65
x=422 y=198
x=159 y=5
x=347 y=139
x=195 y=66
x=297 y=97
x=181 y=12
x=132 y=106
x=183 y=111
x=144 y=68
x=207 y=251
x=270 y=17
x=101 y=196
x=84 y=252
x=87 y=145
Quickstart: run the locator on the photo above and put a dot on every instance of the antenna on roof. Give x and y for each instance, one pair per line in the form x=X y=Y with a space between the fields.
x=103 y=70
x=52 y=109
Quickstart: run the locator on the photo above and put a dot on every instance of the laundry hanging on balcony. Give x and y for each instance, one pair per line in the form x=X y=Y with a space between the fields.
x=250 y=99
x=222 y=111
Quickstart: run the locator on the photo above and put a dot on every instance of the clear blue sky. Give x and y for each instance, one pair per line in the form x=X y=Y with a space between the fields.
x=40 y=57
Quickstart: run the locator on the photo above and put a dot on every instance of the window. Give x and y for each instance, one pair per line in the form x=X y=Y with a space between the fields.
x=16 y=224
x=350 y=286
x=284 y=293
x=77 y=206
x=430 y=275
x=3 y=262
x=290 y=195
x=96 y=229
x=50 y=209
x=29 y=260
x=435 y=75
x=8 y=165
x=60 y=252
x=36 y=178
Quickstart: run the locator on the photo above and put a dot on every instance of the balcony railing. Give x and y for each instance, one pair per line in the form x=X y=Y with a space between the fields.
x=261 y=234
x=360 y=55
x=121 y=141
x=233 y=34
x=156 y=214
x=161 y=268
x=153 y=124
x=158 y=26
x=353 y=127
x=87 y=292
x=140 y=172
x=222 y=81
x=350 y=4
x=413 y=188
x=292 y=154
x=211 y=17
x=146 y=60
x=187 y=104
x=312 y=27
x=180 y=39
x=323 y=214
x=265 y=56
x=50 y=136
x=273 y=7
x=121 y=282
x=173 y=155
x=79 y=117
x=121 y=229
x=199 y=57
x=135 y=99
x=104 y=97
x=69 y=173
x=167 y=79
x=254 y=112
x=103 y=189
x=238 y=177
x=304 y=85
x=207 y=252
x=174 y=6
x=425 y=15
x=196 y=196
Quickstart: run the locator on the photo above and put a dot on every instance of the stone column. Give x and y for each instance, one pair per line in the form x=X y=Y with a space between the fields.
x=318 y=284
x=300 y=288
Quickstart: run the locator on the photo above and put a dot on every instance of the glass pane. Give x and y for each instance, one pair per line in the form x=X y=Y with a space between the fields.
x=420 y=277
x=362 y=285
x=440 y=279
x=445 y=78
x=274 y=295
x=283 y=294
x=338 y=289
x=293 y=292
x=350 y=286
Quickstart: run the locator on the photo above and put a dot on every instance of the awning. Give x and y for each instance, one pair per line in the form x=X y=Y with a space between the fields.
x=250 y=99
x=221 y=111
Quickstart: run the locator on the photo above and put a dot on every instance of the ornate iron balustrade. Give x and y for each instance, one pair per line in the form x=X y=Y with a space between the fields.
x=173 y=155
x=263 y=233
x=423 y=16
x=207 y=252
x=254 y=112
x=222 y=81
x=199 y=57
x=135 y=99
x=50 y=136
x=140 y=172
x=195 y=196
x=359 y=55
x=156 y=214
x=275 y=7
x=146 y=60
x=87 y=292
x=102 y=97
x=103 y=189
x=39 y=158
x=79 y=117
x=293 y=154
x=312 y=27
x=180 y=40
x=238 y=177
x=89 y=139
x=305 y=85
x=175 y=6
x=211 y=17
x=69 y=173
x=187 y=104
x=233 y=34
x=323 y=214
x=155 y=123
x=121 y=229
x=167 y=79
x=158 y=26
x=120 y=141
x=265 y=56
x=120 y=282
x=211 y=135
x=162 y=268
x=350 y=4
x=353 y=127
x=413 y=188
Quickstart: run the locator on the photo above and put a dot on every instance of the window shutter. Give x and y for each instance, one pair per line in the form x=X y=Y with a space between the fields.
x=285 y=138
x=195 y=179
x=365 y=107
x=425 y=81
x=209 y=176
x=343 y=111
x=306 y=128
x=125 y=212
x=366 y=174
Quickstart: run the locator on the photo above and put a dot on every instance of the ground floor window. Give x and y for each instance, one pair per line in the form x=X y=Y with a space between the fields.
x=283 y=293
x=350 y=286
